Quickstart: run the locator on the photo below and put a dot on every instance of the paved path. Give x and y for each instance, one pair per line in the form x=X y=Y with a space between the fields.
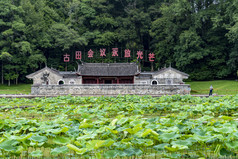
x=40 y=96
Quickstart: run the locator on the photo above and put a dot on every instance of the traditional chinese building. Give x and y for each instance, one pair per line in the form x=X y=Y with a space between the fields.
x=108 y=73
x=109 y=79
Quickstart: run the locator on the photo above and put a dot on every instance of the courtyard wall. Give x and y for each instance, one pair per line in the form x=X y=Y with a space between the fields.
x=110 y=89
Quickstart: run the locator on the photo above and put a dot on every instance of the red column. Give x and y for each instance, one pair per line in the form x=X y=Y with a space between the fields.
x=97 y=80
x=117 y=80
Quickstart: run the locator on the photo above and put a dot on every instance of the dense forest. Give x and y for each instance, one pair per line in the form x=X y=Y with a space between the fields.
x=199 y=37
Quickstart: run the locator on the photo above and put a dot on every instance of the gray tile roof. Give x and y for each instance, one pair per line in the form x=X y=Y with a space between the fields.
x=68 y=74
x=170 y=68
x=30 y=76
x=108 y=69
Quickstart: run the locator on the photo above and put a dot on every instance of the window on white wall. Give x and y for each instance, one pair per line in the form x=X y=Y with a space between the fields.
x=143 y=82
x=154 y=82
x=61 y=82
x=71 y=82
x=169 y=81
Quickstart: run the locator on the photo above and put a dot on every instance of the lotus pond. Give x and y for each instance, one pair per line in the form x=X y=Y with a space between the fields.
x=119 y=127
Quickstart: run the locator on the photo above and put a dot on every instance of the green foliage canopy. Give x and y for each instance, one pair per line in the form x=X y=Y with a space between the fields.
x=197 y=37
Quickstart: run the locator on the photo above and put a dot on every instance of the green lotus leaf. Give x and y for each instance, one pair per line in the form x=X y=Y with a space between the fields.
x=126 y=140
x=108 y=143
x=136 y=122
x=232 y=145
x=132 y=151
x=32 y=143
x=39 y=138
x=208 y=112
x=114 y=121
x=98 y=155
x=171 y=129
x=9 y=145
x=33 y=129
x=145 y=132
x=152 y=126
x=80 y=144
x=23 y=138
x=58 y=131
x=219 y=136
x=19 y=149
x=85 y=124
x=175 y=155
x=37 y=153
x=76 y=149
x=180 y=147
x=137 y=128
x=225 y=152
x=59 y=150
x=61 y=140
x=166 y=137
x=129 y=130
x=205 y=118
x=161 y=146
x=1 y=140
x=87 y=116
x=235 y=114
x=40 y=144
x=143 y=142
x=134 y=130
x=224 y=130
x=120 y=145
x=171 y=149
x=182 y=142
x=226 y=117
x=235 y=134
x=86 y=137
x=94 y=144
x=18 y=138
x=101 y=130
x=199 y=138
x=198 y=131
x=111 y=154
x=122 y=121
x=112 y=131
x=137 y=152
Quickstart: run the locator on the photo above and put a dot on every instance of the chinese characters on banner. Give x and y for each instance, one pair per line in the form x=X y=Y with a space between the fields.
x=78 y=55
x=66 y=58
x=127 y=54
x=114 y=51
x=90 y=53
x=139 y=55
x=151 y=57
x=102 y=52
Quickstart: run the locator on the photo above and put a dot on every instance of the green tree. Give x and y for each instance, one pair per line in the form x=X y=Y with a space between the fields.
x=5 y=56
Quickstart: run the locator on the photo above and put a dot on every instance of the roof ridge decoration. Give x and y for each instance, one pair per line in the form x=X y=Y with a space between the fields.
x=41 y=70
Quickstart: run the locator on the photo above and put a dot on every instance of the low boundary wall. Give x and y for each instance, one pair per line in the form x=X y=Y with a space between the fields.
x=110 y=89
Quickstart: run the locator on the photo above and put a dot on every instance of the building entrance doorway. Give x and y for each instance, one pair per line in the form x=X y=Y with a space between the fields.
x=108 y=81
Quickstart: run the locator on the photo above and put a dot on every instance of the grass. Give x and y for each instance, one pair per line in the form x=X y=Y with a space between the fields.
x=220 y=87
x=15 y=89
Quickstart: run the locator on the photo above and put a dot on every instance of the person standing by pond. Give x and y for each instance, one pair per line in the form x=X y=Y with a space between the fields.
x=211 y=89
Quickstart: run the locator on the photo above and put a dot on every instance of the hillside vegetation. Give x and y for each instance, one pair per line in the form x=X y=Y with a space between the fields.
x=198 y=37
